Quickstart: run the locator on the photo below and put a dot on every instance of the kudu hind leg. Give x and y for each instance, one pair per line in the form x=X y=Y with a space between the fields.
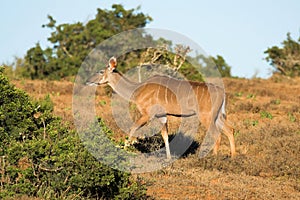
x=224 y=127
x=164 y=133
x=229 y=132
x=217 y=146
x=211 y=139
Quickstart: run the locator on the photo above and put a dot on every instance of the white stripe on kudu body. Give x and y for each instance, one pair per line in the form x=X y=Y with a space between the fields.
x=160 y=96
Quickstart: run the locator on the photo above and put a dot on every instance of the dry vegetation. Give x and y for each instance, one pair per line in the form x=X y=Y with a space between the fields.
x=266 y=116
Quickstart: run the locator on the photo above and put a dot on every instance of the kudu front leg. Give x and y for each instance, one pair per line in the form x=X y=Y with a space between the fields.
x=139 y=123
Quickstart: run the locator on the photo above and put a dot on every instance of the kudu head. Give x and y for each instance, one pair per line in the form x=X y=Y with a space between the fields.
x=103 y=76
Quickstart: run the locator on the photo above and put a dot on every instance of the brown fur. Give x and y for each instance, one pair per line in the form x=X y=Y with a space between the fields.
x=160 y=96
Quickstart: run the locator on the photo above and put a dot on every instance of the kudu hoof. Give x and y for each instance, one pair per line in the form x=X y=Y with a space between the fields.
x=130 y=142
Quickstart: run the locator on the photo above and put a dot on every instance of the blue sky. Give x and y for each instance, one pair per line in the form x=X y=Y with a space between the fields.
x=240 y=31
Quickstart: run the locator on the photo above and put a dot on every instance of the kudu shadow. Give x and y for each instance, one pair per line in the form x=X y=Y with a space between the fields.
x=181 y=145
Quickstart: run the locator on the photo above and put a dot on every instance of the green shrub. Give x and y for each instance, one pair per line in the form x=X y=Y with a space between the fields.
x=16 y=114
x=266 y=114
x=42 y=157
x=292 y=118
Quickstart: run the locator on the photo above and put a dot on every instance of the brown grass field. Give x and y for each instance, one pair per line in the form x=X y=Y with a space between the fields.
x=266 y=118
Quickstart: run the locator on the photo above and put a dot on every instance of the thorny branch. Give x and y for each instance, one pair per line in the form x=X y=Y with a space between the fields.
x=161 y=55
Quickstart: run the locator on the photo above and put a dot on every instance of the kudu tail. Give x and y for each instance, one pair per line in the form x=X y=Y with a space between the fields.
x=221 y=118
x=221 y=122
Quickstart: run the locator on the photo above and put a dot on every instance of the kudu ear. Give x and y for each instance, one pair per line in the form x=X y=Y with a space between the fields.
x=112 y=64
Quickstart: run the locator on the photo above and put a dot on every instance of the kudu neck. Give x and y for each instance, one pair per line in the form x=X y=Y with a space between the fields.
x=121 y=85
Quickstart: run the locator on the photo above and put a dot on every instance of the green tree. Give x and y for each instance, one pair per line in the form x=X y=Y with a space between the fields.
x=36 y=63
x=222 y=66
x=15 y=69
x=71 y=43
x=214 y=66
x=286 y=59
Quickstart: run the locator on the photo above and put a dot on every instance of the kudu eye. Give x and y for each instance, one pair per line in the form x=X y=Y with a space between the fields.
x=95 y=79
x=101 y=72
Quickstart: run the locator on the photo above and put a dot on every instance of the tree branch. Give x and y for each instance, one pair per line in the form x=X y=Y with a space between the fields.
x=66 y=51
x=49 y=170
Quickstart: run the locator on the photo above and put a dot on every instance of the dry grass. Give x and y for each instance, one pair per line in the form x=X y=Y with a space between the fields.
x=266 y=116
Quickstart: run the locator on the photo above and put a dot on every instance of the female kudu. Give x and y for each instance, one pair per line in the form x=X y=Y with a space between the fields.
x=160 y=96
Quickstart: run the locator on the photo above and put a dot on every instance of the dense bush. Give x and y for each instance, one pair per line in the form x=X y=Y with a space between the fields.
x=42 y=157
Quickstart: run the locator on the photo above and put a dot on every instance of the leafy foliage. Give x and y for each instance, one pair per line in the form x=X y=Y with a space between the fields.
x=71 y=43
x=177 y=58
x=40 y=156
x=285 y=60
x=222 y=66
x=173 y=57
x=16 y=115
x=214 y=66
x=15 y=69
